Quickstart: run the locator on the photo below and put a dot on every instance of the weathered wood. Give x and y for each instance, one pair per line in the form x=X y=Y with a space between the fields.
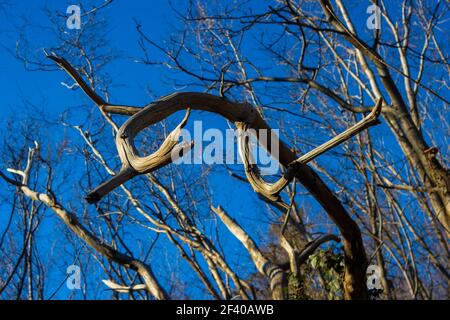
x=355 y=257
x=271 y=191
x=134 y=165
x=72 y=222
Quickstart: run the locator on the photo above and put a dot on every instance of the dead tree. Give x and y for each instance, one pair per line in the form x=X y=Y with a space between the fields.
x=245 y=116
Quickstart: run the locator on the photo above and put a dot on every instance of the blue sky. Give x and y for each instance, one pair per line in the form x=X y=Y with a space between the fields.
x=131 y=83
x=24 y=88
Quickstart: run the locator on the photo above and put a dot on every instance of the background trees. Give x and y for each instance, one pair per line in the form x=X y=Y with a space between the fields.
x=310 y=68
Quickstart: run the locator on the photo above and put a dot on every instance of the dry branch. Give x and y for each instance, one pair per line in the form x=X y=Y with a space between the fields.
x=355 y=257
x=274 y=273
x=271 y=191
x=71 y=221
x=132 y=164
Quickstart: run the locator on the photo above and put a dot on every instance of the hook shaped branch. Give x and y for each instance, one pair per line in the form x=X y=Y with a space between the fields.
x=271 y=191
x=133 y=165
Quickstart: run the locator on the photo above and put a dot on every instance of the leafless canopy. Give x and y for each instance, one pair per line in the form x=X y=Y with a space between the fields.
x=385 y=190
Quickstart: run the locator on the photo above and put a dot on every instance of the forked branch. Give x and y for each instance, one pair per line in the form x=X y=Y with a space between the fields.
x=271 y=191
x=356 y=261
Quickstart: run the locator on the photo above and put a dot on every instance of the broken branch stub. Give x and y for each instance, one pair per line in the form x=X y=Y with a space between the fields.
x=356 y=260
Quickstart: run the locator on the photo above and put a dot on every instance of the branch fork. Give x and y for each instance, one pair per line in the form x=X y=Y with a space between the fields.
x=271 y=191
x=133 y=164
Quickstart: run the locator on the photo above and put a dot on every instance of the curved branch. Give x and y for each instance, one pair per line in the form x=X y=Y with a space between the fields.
x=133 y=165
x=355 y=257
x=270 y=191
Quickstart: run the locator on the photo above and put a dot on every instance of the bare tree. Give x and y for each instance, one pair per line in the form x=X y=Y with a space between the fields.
x=322 y=74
